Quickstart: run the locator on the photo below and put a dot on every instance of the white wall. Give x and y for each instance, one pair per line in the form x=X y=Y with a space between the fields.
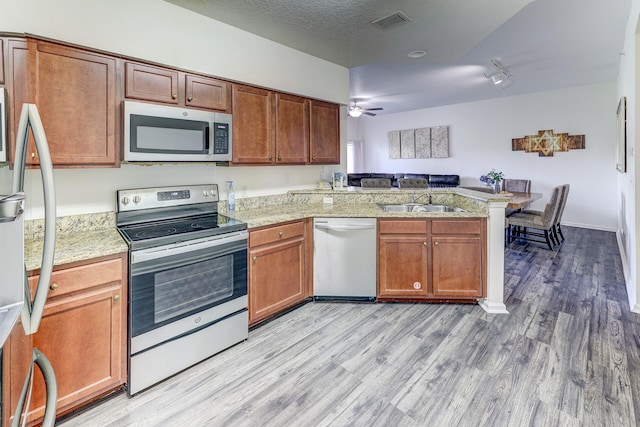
x=480 y=139
x=161 y=32
x=627 y=200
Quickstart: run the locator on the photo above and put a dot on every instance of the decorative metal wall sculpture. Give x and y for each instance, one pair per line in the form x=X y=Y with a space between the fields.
x=545 y=143
x=423 y=143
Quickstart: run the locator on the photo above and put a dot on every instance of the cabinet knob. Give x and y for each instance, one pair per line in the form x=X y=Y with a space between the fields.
x=190 y=98
x=435 y=243
x=280 y=233
x=255 y=258
x=313 y=158
x=116 y=297
x=424 y=243
x=33 y=155
x=279 y=157
x=53 y=286
x=174 y=96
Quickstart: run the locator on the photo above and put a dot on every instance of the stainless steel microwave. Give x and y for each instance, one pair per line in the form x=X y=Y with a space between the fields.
x=160 y=133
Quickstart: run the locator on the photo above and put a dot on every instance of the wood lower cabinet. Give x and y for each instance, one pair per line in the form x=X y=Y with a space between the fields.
x=169 y=86
x=432 y=258
x=402 y=259
x=82 y=333
x=75 y=91
x=278 y=276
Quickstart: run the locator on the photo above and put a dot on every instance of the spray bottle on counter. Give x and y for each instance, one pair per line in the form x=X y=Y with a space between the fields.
x=231 y=197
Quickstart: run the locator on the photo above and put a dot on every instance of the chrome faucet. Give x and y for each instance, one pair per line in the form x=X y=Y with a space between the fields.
x=415 y=196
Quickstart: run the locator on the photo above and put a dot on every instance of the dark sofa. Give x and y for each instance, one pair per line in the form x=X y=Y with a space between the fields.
x=353 y=179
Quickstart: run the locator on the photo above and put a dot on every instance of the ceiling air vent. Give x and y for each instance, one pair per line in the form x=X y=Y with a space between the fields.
x=396 y=18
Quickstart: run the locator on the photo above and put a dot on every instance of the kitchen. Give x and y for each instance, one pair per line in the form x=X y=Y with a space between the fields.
x=92 y=190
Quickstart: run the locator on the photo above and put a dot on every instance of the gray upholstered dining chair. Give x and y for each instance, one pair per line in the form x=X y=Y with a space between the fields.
x=375 y=183
x=557 y=230
x=413 y=183
x=517 y=185
x=520 y=224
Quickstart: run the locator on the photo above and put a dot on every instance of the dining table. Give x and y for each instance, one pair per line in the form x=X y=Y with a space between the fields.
x=522 y=200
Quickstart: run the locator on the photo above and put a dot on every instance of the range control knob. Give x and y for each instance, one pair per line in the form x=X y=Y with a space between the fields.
x=205 y=193
x=125 y=200
x=136 y=199
x=212 y=192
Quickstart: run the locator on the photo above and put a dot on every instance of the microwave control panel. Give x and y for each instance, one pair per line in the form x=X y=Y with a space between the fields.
x=221 y=138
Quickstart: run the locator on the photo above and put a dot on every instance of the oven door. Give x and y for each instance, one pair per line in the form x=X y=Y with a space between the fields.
x=178 y=288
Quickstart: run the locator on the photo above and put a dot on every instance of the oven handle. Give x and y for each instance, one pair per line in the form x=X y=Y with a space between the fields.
x=188 y=246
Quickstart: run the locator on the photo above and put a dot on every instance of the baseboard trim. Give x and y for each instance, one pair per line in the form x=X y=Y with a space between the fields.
x=635 y=308
x=588 y=226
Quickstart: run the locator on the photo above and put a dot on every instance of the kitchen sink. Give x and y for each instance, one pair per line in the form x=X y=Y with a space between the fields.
x=418 y=207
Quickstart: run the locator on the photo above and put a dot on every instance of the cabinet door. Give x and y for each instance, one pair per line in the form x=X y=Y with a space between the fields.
x=324 y=134
x=151 y=83
x=292 y=129
x=402 y=266
x=457 y=266
x=20 y=87
x=75 y=92
x=204 y=92
x=253 y=125
x=2 y=61
x=276 y=278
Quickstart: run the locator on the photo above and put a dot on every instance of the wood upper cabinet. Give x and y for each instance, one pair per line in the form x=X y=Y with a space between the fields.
x=324 y=138
x=82 y=333
x=432 y=258
x=75 y=92
x=277 y=271
x=157 y=84
x=2 y=42
x=272 y=128
x=253 y=125
x=150 y=83
x=292 y=129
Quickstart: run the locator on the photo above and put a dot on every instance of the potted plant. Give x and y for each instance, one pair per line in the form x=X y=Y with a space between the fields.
x=494 y=179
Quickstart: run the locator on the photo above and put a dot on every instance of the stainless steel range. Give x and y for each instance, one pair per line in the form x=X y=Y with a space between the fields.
x=187 y=279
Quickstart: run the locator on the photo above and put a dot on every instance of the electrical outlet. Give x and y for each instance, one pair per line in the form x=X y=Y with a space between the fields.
x=287 y=178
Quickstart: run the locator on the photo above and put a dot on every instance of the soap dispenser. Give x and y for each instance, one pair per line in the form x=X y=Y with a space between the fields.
x=231 y=197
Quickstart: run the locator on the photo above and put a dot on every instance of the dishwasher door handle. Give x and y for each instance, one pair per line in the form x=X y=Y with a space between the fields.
x=344 y=227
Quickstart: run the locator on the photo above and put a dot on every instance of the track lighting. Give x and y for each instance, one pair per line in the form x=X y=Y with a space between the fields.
x=498 y=75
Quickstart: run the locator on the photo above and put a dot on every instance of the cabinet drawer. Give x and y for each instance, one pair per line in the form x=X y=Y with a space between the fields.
x=276 y=234
x=407 y=226
x=470 y=226
x=83 y=277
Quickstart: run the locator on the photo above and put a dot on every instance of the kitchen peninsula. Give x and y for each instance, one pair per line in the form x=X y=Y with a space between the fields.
x=298 y=205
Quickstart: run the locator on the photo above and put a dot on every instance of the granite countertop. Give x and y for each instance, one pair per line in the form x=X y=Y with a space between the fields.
x=78 y=238
x=271 y=215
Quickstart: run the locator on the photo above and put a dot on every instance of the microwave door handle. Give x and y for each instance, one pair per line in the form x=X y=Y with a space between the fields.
x=207 y=138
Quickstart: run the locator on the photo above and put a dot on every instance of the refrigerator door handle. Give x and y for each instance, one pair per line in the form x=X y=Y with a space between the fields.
x=51 y=385
x=29 y=117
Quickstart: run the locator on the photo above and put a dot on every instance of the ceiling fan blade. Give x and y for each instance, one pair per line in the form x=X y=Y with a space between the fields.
x=369 y=114
x=374 y=109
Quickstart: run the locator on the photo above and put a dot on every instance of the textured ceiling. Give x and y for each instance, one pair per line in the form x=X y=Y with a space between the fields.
x=543 y=44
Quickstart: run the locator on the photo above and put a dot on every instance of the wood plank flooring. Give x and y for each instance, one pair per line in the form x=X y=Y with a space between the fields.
x=568 y=354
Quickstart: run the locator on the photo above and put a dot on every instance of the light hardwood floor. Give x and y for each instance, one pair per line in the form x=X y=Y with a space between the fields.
x=567 y=354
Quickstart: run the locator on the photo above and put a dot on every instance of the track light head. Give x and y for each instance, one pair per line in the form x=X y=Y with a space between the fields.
x=498 y=75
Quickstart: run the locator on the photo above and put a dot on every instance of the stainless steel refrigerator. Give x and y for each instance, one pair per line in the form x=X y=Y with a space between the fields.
x=20 y=313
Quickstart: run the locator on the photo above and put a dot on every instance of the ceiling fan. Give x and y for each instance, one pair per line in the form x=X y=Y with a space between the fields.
x=356 y=111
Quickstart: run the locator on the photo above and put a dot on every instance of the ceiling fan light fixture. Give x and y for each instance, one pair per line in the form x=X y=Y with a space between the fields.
x=355 y=111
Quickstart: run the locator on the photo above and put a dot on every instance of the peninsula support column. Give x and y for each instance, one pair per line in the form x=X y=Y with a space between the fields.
x=494 y=302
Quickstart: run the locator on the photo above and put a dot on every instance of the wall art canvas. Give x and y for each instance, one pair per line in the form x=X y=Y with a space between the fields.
x=422 y=143
x=546 y=142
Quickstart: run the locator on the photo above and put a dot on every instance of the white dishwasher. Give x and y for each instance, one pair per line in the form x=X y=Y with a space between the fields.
x=344 y=258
